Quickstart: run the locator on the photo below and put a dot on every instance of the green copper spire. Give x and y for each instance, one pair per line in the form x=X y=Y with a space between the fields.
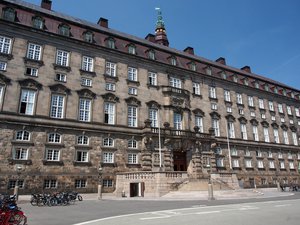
x=160 y=23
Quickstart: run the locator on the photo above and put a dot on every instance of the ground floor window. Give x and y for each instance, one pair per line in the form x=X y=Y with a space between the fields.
x=49 y=184
x=107 y=183
x=80 y=183
x=12 y=184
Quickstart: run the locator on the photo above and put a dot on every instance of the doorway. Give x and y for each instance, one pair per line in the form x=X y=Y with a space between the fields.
x=137 y=189
x=179 y=161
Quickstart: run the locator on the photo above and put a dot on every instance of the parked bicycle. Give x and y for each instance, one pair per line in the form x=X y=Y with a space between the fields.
x=10 y=213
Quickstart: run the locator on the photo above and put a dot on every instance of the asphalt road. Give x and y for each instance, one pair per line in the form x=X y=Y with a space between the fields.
x=95 y=210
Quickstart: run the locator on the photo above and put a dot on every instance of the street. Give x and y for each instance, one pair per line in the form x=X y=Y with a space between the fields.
x=280 y=210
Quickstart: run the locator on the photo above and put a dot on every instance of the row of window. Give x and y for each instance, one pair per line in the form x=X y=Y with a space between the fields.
x=83 y=156
x=248 y=163
x=53 y=184
x=260 y=154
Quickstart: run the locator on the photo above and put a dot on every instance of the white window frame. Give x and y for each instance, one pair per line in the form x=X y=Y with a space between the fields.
x=62 y=58
x=132 y=74
x=152 y=78
x=227 y=96
x=231 y=131
x=109 y=113
x=108 y=142
x=276 y=136
x=61 y=77
x=271 y=164
x=54 y=138
x=87 y=64
x=132 y=90
x=235 y=163
x=110 y=87
x=229 y=109
x=50 y=184
x=285 y=137
x=216 y=127
x=52 y=155
x=266 y=134
x=261 y=104
x=153 y=117
x=295 y=138
x=27 y=101
x=108 y=157
x=82 y=140
x=34 y=51
x=87 y=82
x=175 y=82
x=255 y=133
x=196 y=88
x=111 y=69
x=132 y=144
x=22 y=135
x=289 y=110
x=177 y=121
x=297 y=112
x=57 y=106
x=20 y=153
x=271 y=106
x=199 y=123
x=250 y=101
x=82 y=156
x=80 y=183
x=85 y=106
x=248 y=163
x=5 y=45
x=239 y=98
x=291 y=165
x=220 y=162
x=280 y=108
x=31 y=71
x=212 y=92
x=3 y=66
x=132 y=158
x=244 y=131
x=132 y=116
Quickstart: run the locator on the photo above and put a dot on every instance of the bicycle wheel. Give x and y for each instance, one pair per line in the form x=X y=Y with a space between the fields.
x=79 y=198
x=18 y=219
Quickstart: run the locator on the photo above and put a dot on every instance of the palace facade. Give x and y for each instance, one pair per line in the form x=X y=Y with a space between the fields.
x=78 y=99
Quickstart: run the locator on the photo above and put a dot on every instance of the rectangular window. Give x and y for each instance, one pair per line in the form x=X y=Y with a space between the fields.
x=248 y=163
x=34 y=51
x=27 y=102
x=57 y=106
x=255 y=133
x=108 y=157
x=132 y=91
x=244 y=131
x=229 y=109
x=235 y=163
x=297 y=112
x=30 y=71
x=273 y=118
x=196 y=88
x=2 y=66
x=62 y=58
x=280 y=108
x=250 y=101
x=50 y=184
x=84 y=109
x=291 y=121
x=261 y=103
x=276 y=136
x=295 y=138
x=110 y=87
x=175 y=82
x=271 y=106
x=241 y=111
x=280 y=155
x=271 y=164
x=285 y=137
x=252 y=114
x=107 y=183
x=152 y=78
x=153 y=117
x=80 y=183
x=216 y=127
x=110 y=69
x=132 y=74
x=87 y=64
x=212 y=92
x=282 y=166
x=220 y=162
x=289 y=110
x=214 y=106
x=20 y=153
x=82 y=156
x=239 y=98
x=266 y=134
x=260 y=164
x=132 y=116
x=132 y=158
x=263 y=116
x=282 y=119
x=199 y=123
x=86 y=82
x=231 y=130
x=291 y=165
x=290 y=156
x=177 y=121
x=234 y=152
x=1 y=93
x=52 y=154
x=61 y=77
x=5 y=45
x=109 y=113
x=12 y=184
x=227 y=96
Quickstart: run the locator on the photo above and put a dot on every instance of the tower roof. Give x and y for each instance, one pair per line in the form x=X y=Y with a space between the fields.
x=160 y=30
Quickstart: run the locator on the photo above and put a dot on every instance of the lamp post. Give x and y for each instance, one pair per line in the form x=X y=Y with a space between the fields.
x=210 y=186
x=16 y=189
x=100 y=170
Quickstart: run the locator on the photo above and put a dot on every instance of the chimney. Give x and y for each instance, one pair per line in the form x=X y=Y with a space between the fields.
x=189 y=50
x=46 y=4
x=221 y=60
x=150 y=37
x=103 y=22
x=247 y=69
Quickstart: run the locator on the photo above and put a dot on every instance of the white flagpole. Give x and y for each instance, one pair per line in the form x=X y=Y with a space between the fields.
x=229 y=152
x=159 y=140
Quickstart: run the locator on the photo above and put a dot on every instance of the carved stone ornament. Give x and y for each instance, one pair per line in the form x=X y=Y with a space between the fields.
x=254 y=122
x=265 y=124
x=4 y=79
x=198 y=112
x=243 y=120
x=30 y=83
x=215 y=115
x=230 y=118
x=86 y=93
x=275 y=125
x=153 y=104
x=133 y=101
x=59 y=88
x=177 y=102
x=110 y=97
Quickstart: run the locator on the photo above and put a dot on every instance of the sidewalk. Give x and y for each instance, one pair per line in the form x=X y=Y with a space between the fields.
x=189 y=195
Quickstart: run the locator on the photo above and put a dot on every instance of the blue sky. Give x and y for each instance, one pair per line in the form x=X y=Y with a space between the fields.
x=263 y=34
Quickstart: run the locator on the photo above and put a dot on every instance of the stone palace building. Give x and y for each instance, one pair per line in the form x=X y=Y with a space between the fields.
x=81 y=103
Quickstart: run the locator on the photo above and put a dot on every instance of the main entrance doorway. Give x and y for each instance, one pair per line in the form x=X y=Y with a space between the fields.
x=179 y=159
x=137 y=189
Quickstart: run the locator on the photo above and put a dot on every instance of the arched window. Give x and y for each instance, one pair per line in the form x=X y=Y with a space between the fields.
x=108 y=142
x=9 y=14
x=82 y=140
x=22 y=135
x=54 y=138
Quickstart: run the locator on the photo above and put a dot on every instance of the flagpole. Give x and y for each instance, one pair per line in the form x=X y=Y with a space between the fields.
x=228 y=146
x=159 y=141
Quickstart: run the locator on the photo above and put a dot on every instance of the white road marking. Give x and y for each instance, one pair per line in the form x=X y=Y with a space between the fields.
x=208 y=212
x=282 y=205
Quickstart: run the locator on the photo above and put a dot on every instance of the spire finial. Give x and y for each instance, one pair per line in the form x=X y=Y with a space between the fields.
x=159 y=23
x=160 y=31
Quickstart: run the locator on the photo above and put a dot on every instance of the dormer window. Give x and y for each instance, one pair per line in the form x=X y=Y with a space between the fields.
x=246 y=82
x=64 y=30
x=275 y=90
x=88 y=37
x=173 y=61
x=131 y=49
x=256 y=84
x=9 y=14
x=266 y=87
x=235 y=78
x=37 y=22
x=292 y=95
x=151 y=54
x=192 y=66
x=110 y=43
x=223 y=75
x=284 y=92
x=208 y=70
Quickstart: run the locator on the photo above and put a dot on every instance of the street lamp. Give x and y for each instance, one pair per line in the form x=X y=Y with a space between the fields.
x=210 y=186
x=100 y=180
x=16 y=189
